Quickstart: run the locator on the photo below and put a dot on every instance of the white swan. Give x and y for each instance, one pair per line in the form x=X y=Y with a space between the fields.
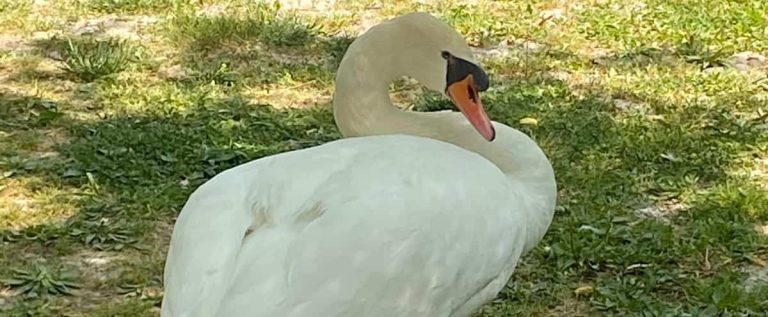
x=413 y=214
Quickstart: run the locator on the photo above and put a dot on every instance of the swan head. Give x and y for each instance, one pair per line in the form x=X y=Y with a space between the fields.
x=463 y=83
x=427 y=49
x=442 y=61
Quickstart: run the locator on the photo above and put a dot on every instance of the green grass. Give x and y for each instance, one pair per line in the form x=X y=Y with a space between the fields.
x=635 y=106
x=132 y=6
x=89 y=59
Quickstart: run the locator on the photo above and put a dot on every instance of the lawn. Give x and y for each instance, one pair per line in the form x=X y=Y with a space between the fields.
x=113 y=111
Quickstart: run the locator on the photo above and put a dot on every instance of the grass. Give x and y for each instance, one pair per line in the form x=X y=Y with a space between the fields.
x=89 y=59
x=131 y=6
x=659 y=146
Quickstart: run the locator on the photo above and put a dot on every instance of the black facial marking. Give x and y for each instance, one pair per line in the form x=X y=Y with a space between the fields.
x=459 y=69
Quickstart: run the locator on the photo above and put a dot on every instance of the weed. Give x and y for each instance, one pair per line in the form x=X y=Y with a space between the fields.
x=41 y=280
x=89 y=59
x=695 y=51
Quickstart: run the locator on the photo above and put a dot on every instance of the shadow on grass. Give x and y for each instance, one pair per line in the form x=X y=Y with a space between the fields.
x=18 y=112
x=135 y=172
x=140 y=152
x=610 y=164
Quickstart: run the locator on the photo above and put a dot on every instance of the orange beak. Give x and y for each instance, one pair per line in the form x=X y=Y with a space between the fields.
x=467 y=99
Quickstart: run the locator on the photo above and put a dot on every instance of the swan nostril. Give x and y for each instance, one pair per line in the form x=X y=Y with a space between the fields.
x=471 y=93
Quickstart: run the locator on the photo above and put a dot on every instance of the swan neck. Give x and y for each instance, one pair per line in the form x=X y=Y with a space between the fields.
x=362 y=107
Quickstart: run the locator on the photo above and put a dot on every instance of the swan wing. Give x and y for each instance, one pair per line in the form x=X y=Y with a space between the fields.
x=374 y=226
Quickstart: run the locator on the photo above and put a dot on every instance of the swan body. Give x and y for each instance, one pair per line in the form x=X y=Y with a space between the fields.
x=413 y=214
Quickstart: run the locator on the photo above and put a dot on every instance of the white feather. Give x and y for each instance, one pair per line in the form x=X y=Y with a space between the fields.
x=382 y=225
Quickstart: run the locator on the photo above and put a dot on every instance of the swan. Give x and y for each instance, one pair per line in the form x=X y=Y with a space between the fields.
x=411 y=214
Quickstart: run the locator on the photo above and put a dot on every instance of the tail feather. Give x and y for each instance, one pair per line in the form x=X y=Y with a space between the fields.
x=204 y=247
